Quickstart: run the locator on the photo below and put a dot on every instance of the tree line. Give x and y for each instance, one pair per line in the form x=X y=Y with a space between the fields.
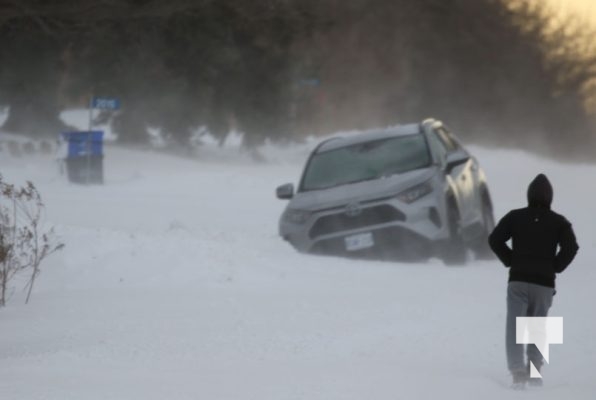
x=497 y=71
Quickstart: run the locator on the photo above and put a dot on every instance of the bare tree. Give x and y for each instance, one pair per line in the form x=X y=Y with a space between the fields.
x=24 y=242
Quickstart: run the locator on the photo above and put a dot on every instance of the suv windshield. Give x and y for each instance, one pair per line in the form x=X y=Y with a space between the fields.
x=366 y=161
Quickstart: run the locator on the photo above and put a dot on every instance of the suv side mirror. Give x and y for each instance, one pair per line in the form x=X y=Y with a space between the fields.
x=285 y=192
x=455 y=159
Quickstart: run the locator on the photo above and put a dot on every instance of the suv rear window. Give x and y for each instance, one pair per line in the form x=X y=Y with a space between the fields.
x=366 y=161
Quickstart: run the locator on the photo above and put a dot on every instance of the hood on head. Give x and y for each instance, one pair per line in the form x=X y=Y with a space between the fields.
x=540 y=192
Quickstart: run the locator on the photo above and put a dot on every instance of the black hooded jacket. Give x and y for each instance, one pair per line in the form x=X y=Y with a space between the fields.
x=543 y=242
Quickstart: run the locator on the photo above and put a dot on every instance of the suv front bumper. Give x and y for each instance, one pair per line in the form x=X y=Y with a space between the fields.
x=395 y=228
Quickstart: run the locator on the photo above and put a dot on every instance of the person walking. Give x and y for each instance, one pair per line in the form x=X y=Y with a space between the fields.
x=543 y=244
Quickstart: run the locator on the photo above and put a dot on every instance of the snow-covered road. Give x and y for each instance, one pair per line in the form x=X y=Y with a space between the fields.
x=175 y=285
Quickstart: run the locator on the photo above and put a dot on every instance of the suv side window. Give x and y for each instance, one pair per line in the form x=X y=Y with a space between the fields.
x=438 y=148
x=447 y=140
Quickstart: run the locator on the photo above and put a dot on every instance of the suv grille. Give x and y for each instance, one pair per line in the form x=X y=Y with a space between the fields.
x=342 y=222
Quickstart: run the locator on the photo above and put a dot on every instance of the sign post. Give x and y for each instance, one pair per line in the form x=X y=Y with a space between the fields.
x=100 y=103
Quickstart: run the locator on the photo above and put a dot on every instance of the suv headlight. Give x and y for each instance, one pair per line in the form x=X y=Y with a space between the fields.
x=416 y=192
x=296 y=216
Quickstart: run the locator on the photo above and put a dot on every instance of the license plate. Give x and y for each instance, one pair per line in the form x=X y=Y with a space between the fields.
x=359 y=242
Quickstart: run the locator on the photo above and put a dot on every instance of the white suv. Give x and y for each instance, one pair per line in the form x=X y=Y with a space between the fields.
x=412 y=191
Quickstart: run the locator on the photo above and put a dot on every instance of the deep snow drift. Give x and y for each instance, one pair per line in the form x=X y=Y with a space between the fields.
x=174 y=285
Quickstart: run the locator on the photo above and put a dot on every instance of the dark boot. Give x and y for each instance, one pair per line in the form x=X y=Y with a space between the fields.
x=536 y=382
x=520 y=378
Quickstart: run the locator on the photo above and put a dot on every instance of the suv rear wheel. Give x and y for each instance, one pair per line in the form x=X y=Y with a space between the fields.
x=481 y=248
x=454 y=249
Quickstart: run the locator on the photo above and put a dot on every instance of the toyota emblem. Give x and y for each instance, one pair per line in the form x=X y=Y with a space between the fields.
x=353 y=210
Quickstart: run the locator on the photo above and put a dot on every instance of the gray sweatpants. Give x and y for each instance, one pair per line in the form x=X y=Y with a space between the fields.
x=525 y=300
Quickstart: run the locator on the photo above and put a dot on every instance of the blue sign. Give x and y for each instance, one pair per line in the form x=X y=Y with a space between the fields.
x=105 y=103
x=313 y=82
x=84 y=143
